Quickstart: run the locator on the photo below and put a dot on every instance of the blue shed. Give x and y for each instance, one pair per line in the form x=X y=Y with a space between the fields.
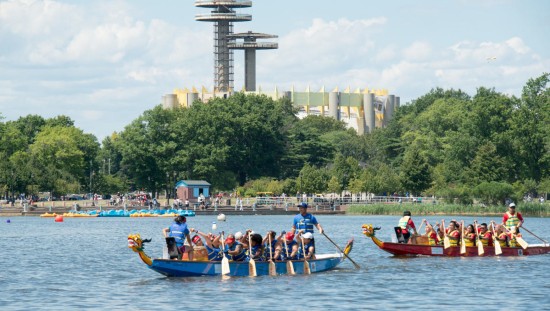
x=192 y=189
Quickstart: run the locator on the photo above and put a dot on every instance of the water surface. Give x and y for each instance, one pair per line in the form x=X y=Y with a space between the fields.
x=85 y=264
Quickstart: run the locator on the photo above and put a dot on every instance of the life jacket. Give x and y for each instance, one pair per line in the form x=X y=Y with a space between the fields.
x=214 y=253
x=512 y=220
x=502 y=238
x=469 y=239
x=432 y=238
x=486 y=238
x=452 y=239
x=270 y=251
x=254 y=250
x=403 y=222
x=306 y=247
x=512 y=240
x=304 y=222
x=288 y=247
x=240 y=256
x=178 y=232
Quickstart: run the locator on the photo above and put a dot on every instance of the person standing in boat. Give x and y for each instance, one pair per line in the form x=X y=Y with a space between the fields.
x=180 y=232
x=305 y=221
x=405 y=225
x=512 y=220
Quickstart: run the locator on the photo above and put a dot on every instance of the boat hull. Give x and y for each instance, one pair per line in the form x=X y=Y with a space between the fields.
x=176 y=268
x=400 y=249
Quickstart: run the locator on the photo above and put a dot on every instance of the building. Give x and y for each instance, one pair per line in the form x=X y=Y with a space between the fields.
x=192 y=189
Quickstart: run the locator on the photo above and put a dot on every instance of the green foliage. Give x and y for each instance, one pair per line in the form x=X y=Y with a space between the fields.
x=493 y=192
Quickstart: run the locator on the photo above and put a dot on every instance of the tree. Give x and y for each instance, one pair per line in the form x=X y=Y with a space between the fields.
x=415 y=172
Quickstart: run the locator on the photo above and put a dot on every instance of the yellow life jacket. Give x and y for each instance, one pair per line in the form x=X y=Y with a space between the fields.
x=512 y=221
x=453 y=241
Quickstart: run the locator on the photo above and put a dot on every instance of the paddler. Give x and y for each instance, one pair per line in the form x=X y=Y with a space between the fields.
x=485 y=235
x=431 y=234
x=469 y=236
x=452 y=233
x=234 y=249
x=405 y=225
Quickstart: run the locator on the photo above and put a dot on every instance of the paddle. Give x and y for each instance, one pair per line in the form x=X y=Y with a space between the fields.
x=520 y=240
x=272 y=268
x=498 y=249
x=353 y=262
x=462 y=242
x=225 y=261
x=480 y=250
x=251 y=262
x=306 y=264
x=446 y=242
x=543 y=240
x=289 y=264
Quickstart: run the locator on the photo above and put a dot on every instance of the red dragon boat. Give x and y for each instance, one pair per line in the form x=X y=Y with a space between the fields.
x=423 y=248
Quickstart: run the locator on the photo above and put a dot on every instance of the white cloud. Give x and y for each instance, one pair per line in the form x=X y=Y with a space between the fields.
x=417 y=51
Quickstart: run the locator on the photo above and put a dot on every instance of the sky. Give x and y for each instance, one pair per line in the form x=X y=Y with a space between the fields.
x=104 y=62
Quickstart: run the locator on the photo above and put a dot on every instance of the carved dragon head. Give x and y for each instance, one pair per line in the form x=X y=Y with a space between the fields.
x=369 y=230
x=136 y=243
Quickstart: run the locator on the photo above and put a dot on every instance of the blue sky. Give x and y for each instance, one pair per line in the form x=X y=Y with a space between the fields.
x=103 y=63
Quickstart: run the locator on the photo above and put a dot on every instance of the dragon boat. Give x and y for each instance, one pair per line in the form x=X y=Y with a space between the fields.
x=422 y=248
x=185 y=268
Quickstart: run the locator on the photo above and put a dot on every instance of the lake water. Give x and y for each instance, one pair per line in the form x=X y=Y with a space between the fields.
x=85 y=264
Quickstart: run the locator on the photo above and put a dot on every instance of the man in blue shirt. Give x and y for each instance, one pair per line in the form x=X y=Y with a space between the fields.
x=305 y=221
x=180 y=232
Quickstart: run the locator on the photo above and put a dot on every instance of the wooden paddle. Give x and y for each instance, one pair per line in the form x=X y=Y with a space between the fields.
x=251 y=262
x=480 y=250
x=462 y=242
x=306 y=264
x=498 y=249
x=520 y=241
x=446 y=242
x=225 y=261
x=272 y=268
x=543 y=240
x=289 y=264
x=353 y=262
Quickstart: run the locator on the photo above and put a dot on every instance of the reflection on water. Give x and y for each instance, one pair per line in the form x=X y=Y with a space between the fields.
x=85 y=264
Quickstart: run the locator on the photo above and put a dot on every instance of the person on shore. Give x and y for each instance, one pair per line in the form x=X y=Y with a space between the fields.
x=305 y=221
x=180 y=232
x=512 y=220
x=406 y=224
x=452 y=233
x=307 y=251
x=485 y=235
x=470 y=236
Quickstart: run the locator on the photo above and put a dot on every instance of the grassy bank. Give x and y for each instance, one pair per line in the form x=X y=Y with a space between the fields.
x=526 y=209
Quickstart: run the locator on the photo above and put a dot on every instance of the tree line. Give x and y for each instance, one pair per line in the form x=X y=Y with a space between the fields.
x=445 y=143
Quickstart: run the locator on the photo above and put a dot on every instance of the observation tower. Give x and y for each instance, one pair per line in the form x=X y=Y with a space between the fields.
x=223 y=15
x=249 y=45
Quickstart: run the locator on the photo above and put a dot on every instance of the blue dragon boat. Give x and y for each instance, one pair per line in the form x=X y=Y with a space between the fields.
x=184 y=268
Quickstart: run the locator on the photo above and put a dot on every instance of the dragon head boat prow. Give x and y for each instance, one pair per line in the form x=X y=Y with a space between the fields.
x=135 y=243
x=369 y=230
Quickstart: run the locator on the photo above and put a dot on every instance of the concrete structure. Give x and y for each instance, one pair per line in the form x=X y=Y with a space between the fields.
x=249 y=45
x=223 y=16
x=192 y=189
x=363 y=109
